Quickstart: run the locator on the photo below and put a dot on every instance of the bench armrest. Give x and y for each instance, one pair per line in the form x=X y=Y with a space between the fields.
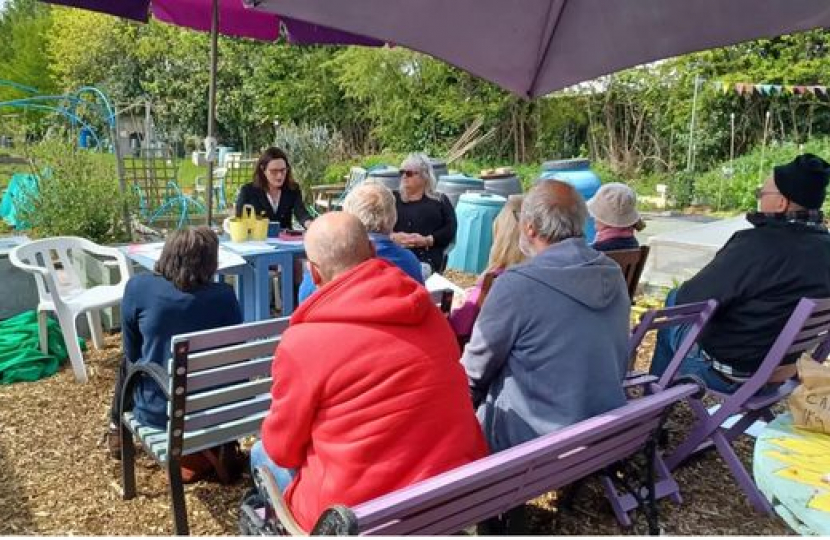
x=284 y=515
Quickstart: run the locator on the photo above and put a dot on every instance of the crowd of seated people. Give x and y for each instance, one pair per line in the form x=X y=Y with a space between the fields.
x=371 y=389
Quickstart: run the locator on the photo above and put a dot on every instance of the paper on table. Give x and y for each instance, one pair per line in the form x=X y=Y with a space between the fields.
x=283 y=242
x=248 y=247
x=437 y=282
x=152 y=251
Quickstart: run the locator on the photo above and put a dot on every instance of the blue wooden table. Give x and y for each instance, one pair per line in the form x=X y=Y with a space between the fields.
x=253 y=284
x=253 y=290
x=789 y=465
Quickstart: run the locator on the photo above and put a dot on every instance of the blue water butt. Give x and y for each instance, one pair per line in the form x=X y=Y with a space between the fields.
x=476 y=213
x=578 y=173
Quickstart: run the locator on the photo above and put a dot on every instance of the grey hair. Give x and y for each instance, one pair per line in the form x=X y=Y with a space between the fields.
x=555 y=210
x=374 y=205
x=420 y=161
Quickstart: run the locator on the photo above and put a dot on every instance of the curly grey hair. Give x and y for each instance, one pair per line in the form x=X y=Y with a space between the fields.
x=555 y=210
x=374 y=205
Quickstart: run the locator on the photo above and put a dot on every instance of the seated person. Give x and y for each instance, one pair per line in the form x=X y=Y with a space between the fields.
x=368 y=395
x=614 y=209
x=757 y=278
x=374 y=205
x=504 y=253
x=549 y=347
x=179 y=297
x=274 y=192
x=426 y=219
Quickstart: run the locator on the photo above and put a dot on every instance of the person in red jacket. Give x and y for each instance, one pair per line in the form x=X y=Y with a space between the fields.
x=368 y=394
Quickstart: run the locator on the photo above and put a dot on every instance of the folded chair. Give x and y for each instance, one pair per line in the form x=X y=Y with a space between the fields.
x=806 y=329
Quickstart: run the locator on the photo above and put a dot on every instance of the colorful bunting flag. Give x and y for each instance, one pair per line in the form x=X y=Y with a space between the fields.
x=763 y=89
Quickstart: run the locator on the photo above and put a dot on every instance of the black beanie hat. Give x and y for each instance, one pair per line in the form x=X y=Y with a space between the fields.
x=803 y=180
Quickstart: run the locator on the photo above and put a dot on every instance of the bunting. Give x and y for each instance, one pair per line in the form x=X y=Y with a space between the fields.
x=748 y=89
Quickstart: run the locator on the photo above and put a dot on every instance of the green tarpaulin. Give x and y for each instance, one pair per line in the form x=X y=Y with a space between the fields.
x=20 y=356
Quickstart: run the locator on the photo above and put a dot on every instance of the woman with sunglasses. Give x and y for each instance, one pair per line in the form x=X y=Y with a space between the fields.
x=426 y=219
x=273 y=191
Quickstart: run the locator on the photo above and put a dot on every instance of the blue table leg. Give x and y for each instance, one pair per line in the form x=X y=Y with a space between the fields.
x=263 y=300
x=287 y=282
x=246 y=293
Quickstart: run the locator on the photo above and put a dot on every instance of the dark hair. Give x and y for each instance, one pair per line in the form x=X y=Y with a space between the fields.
x=190 y=258
x=269 y=155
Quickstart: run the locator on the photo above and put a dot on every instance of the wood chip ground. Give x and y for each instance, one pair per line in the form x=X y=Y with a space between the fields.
x=56 y=478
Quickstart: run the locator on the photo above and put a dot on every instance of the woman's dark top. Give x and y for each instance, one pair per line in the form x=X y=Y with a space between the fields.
x=153 y=310
x=291 y=202
x=428 y=217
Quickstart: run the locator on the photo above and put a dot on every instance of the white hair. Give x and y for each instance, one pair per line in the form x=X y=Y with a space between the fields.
x=374 y=205
x=420 y=162
x=555 y=210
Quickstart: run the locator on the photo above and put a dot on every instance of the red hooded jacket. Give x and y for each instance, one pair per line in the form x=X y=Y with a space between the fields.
x=369 y=395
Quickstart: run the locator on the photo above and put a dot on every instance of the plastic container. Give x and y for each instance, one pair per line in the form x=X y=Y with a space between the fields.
x=476 y=213
x=502 y=181
x=439 y=167
x=454 y=185
x=578 y=173
x=273 y=229
x=389 y=177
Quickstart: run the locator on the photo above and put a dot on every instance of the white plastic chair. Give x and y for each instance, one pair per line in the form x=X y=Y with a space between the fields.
x=62 y=290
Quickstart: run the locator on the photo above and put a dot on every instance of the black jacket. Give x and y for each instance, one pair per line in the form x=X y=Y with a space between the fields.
x=291 y=201
x=428 y=217
x=757 y=278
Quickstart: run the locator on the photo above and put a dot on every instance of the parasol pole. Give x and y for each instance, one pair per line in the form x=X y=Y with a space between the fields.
x=210 y=140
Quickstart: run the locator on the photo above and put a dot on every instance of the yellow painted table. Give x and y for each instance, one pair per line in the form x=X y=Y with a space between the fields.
x=789 y=466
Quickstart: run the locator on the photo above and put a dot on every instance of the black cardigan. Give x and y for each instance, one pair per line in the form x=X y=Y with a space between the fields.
x=291 y=201
x=428 y=217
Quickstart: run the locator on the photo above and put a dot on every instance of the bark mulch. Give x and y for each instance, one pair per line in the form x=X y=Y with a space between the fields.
x=56 y=478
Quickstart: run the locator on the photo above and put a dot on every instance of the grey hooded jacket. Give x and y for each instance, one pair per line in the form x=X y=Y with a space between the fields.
x=549 y=346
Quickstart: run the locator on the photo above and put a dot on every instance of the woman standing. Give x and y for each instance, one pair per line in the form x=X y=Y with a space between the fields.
x=273 y=191
x=426 y=219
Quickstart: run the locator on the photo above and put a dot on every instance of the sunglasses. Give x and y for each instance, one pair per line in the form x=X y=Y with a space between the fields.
x=408 y=174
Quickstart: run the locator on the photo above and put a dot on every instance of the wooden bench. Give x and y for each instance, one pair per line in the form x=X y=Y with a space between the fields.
x=465 y=496
x=219 y=386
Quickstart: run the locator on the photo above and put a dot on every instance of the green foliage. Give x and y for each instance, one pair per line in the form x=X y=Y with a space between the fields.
x=24 y=27
x=720 y=191
x=78 y=194
x=310 y=149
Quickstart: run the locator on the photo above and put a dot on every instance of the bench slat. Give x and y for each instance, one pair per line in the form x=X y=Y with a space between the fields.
x=229 y=394
x=214 y=358
x=453 y=484
x=200 y=440
x=220 y=337
x=551 y=473
x=227 y=413
x=226 y=375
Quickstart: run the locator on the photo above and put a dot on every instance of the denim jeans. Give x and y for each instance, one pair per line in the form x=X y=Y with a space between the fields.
x=669 y=340
x=282 y=475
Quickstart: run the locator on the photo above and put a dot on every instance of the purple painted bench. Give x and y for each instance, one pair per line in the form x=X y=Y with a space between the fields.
x=491 y=486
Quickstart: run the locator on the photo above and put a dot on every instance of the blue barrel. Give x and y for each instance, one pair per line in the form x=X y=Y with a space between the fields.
x=578 y=173
x=476 y=213
x=453 y=185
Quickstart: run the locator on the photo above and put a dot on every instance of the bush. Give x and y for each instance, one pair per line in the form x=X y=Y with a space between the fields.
x=310 y=149
x=78 y=194
x=732 y=188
